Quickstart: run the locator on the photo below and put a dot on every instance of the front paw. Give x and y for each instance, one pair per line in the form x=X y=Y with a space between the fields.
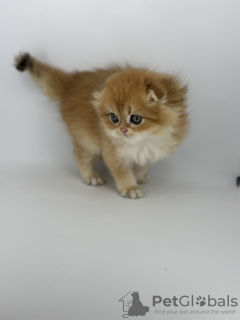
x=132 y=193
x=93 y=180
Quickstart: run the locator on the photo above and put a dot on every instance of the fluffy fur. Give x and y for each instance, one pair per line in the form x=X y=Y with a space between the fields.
x=90 y=101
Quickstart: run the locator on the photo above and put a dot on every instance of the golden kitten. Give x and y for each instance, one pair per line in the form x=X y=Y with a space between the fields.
x=131 y=117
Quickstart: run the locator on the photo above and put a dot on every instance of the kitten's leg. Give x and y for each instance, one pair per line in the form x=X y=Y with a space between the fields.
x=141 y=173
x=85 y=162
x=126 y=182
x=124 y=177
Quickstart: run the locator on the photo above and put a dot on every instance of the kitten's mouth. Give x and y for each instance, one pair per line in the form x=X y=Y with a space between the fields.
x=125 y=134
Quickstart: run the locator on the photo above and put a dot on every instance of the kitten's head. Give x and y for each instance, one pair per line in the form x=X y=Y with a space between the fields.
x=136 y=103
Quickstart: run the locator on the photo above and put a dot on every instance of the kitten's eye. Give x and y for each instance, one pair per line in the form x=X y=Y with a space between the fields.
x=114 y=118
x=136 y=119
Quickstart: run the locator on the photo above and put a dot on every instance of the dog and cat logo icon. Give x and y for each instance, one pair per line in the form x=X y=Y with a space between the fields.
x=132 y=306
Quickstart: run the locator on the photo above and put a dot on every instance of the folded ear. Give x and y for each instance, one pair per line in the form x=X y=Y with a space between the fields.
x=166 y=88
x=95 y=101
x=96 y=94
x=155 y=90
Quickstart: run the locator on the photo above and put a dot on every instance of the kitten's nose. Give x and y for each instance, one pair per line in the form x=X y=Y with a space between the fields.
x=124 y=130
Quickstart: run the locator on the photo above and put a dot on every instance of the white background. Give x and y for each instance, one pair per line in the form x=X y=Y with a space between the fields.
x=69 y=251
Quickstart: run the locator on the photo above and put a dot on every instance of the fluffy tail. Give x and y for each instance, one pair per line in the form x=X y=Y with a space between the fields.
x=53 y=81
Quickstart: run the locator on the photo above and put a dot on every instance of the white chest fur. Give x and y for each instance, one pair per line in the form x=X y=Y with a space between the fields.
x=149 y=150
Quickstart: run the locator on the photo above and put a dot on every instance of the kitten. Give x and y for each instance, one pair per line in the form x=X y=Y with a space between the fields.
x=131 y=117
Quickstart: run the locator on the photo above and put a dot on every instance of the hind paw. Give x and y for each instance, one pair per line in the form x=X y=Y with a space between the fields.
x=143 y=180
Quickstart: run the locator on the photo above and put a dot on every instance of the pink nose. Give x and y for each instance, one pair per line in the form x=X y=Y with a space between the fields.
x=124 y=130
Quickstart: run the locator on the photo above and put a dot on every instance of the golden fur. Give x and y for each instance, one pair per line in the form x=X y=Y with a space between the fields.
x=102 y=110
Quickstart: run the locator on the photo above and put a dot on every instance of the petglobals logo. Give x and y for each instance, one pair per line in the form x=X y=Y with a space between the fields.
x=159 y=305
x=192 y=301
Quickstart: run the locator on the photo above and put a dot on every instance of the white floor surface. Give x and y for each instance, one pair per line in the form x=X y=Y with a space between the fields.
x=70 y=251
